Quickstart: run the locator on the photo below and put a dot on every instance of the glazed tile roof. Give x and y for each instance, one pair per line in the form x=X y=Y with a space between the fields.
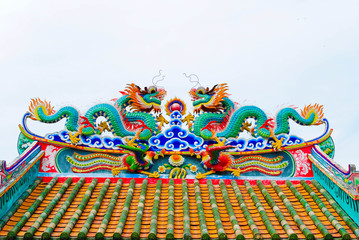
x=176 y=210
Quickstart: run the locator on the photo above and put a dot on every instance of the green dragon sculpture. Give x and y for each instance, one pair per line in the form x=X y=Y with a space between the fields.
x=219 y=117
x=130 y=115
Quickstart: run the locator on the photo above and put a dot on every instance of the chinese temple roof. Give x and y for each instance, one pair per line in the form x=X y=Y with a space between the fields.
x=176 y=209
x=128 y=170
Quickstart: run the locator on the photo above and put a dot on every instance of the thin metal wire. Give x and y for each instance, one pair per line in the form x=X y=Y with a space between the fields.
x=159 y=75
x=190 y=79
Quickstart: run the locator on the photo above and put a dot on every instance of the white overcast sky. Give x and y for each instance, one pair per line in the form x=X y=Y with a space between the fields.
x=271 y=53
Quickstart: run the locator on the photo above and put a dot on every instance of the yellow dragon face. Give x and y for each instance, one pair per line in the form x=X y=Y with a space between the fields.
x=145 y=100
x=209 y=100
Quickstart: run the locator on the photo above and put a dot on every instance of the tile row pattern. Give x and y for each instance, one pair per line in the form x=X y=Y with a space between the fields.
x=19 y=202
x=181 y=210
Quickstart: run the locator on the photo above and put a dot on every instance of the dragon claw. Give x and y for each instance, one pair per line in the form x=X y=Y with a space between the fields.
x=277 y=145
x=131 y=142
x=237 y=172
x=117 y=170
x=154 y=175
x=188 y=119
x=104 y=126
x=200 y=176
x=151 y=175
x=219 y=142
x=246 y=126
x=74 y=138
x=161 y=120
x=204 y=175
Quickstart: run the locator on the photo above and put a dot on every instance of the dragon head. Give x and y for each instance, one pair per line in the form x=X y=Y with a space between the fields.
x=209 y=100
x=145 y=100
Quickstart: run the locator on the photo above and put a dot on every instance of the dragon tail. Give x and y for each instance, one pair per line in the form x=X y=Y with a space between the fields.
x=310 y=115
x=44 y=112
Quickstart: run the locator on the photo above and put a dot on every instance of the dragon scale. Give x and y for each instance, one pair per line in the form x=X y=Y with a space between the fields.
x=235 y=122
x=69 y=113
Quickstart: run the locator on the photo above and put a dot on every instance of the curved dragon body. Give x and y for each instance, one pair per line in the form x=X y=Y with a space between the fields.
x=240 y=116
x=229 y=124
x=221 y=119
x=122 y=122
x=69 y=113
x=116 y=121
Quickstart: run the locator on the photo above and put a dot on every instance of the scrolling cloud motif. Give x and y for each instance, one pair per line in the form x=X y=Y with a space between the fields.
x=175 y=138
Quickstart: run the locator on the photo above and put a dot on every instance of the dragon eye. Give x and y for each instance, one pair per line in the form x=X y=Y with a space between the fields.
x=201 y=90
x=152 y=89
